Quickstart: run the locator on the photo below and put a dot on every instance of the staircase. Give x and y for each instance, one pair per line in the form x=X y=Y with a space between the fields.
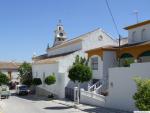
x=93 y=95
x=95 y=88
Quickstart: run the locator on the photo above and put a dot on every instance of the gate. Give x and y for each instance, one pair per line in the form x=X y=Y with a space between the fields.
x=69 y=93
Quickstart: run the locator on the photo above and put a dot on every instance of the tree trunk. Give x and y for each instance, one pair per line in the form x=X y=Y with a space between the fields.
x=78 y=93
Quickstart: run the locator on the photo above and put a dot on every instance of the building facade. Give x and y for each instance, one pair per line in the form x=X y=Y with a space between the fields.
x=61 y=56
x=118 y=66
x=11 y=70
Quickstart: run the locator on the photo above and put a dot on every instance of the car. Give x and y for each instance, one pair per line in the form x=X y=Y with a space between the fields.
x=22 y=90
x=4 y=91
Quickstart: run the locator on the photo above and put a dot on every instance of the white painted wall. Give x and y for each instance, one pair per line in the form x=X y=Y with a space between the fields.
x=139 y=36
x=66 y=63
x=61 y=71
x=68 y=60
x=97 y=74
x=58 y=88
x=109 y=59
x=91 y=98
x=93 y=40
x=122 y=87
x=65 y=49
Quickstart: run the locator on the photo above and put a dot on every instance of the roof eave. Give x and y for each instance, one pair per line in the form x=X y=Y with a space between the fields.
x=137 y=25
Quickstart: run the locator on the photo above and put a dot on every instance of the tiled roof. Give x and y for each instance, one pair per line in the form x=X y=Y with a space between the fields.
x=48 y=60
x=9 y=65
x=109 y=47
x=45 y=56
x=45 y=59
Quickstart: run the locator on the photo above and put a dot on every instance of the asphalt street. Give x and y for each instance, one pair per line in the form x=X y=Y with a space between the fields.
x=32 y=104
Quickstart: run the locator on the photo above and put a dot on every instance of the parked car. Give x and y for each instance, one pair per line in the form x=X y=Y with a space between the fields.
x=4 y=91
x=22 y=89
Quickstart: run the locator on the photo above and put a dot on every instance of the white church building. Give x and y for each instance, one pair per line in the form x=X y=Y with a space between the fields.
x=61 y=56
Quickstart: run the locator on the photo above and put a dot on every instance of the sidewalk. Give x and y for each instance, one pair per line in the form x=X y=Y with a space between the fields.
x=1 y=106
x=88 y=108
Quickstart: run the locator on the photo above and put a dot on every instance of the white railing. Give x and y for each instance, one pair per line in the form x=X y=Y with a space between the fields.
x=95 y=87
x=93 y=95
x=98 y=89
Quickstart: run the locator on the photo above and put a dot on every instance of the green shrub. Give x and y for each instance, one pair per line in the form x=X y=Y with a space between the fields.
x=3 y=78
x=36 y=81
x=51 y=79
x=51 y=96
x=142 y=96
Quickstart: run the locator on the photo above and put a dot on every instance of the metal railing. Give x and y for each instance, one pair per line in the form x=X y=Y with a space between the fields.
x=93 y=95
x=95 y=86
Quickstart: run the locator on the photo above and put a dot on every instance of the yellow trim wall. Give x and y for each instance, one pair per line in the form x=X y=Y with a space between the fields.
x=135 y=51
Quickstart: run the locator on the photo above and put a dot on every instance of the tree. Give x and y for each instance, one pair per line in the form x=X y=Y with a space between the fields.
x=142 y=96
x=25 y=72
x=3 y=78
x=36 y=81
x=80 y=73
x=51 y=79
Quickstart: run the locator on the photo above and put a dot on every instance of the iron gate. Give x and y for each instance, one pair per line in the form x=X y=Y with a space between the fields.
x=69 y=93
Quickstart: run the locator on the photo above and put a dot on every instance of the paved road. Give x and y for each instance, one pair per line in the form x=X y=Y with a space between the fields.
x=32 y=104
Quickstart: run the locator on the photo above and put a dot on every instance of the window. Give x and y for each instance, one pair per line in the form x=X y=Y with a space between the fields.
x=94 y=63
x=59 y=28
x=134 y=36
x=143 y=32
x=60 y=34
x=100 y=38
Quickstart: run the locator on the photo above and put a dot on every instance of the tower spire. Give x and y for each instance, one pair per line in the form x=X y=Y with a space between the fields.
x=59 y=22
x=60 y=35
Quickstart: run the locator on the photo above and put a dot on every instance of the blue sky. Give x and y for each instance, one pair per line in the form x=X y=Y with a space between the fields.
x=27 y=26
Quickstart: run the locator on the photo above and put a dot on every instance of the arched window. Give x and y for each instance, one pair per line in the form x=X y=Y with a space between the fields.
x=146 y=53
x=143 y=34
x=60 y=28
x=126 y=59
x=126 y=55
x=144 y=57
x=134 y=36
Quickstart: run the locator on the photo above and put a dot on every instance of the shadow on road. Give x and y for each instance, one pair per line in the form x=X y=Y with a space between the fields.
x=58 y=107
x=104 y=110
x=32 y=97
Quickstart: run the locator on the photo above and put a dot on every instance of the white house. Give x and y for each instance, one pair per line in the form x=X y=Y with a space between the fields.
x=61 y=55
x=10 y=69
x=118 y=66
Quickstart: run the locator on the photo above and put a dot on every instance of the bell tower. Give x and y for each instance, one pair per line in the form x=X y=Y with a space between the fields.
x=60 y=35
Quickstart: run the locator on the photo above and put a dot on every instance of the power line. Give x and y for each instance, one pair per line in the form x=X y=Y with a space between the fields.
x=113 y=19
x=115 y=25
